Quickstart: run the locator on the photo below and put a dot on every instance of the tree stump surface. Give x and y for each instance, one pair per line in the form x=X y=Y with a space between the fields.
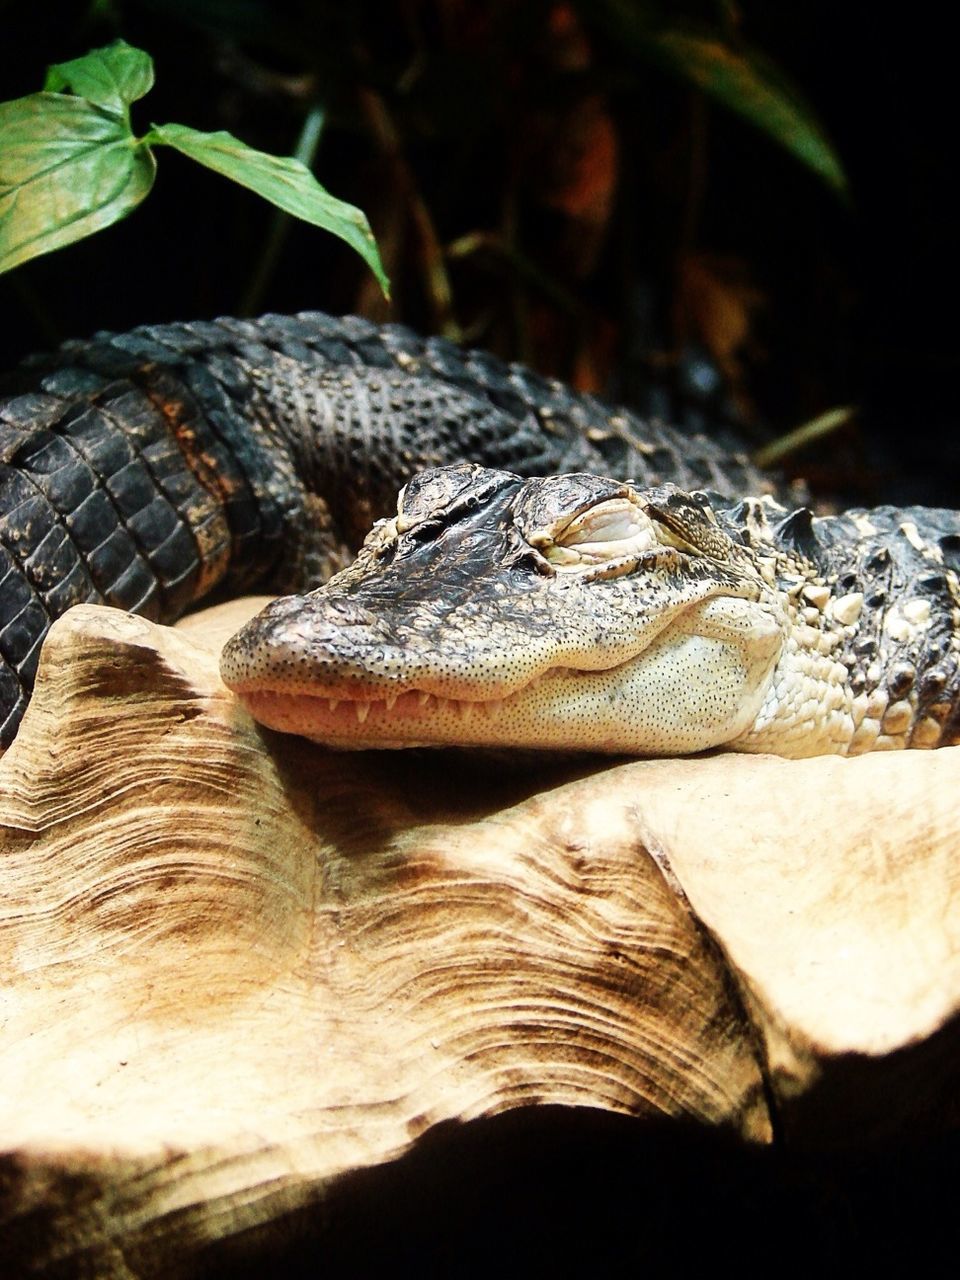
x=239 y=970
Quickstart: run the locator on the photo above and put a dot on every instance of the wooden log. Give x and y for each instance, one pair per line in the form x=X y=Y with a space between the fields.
x=240 y=970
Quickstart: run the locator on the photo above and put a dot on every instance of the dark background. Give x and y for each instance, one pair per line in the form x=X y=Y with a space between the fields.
x=620 y=225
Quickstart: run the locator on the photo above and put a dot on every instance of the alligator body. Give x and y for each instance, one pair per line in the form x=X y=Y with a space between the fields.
x=581 y=613
x=148 y=469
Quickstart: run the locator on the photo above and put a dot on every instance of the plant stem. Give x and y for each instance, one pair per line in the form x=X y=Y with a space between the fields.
x=306 y=151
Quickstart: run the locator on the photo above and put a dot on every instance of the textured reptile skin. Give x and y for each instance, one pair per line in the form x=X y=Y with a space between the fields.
x=578 y=613
x=150 y=468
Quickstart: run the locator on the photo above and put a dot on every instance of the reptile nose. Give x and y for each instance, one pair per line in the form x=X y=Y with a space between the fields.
x=322 y=612
x=293 y=629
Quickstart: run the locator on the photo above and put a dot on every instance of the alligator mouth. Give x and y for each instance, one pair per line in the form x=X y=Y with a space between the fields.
x=352 y=719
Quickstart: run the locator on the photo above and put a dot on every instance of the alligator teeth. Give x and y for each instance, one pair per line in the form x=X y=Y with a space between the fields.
x=334 y=703
x=423 y=699
x=493 y=707
x=363 y=710
x=464 y=710
x=390 y=700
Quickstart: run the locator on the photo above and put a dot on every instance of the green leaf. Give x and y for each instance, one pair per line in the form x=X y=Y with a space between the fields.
x=112 y=77
x=67 y=168
x=749 y=84
x=283 y=181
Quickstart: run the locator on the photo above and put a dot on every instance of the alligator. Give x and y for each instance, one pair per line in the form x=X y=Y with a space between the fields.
x=151 y=469
x=582 y=613
x=553 y=604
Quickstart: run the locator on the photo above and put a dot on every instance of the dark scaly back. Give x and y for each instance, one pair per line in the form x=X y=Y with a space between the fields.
x=147 y=469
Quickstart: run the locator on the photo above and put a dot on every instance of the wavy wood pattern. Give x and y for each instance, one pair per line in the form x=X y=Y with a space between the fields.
x=238 y=969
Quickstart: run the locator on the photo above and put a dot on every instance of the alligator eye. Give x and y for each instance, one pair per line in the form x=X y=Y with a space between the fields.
x=611 y=530
x=616 y=520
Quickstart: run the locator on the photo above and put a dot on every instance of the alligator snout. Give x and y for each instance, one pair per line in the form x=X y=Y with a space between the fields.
x=293 y=631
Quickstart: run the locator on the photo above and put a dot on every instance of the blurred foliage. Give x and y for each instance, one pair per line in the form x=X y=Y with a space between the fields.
x=622 y=193
x=719 y=61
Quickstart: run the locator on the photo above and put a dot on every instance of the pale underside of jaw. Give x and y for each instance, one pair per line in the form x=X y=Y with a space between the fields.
x=609 y=711
x=348 y=719
x=683 y=692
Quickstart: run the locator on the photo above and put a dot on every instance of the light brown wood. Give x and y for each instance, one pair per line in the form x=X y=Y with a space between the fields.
x=238 y=968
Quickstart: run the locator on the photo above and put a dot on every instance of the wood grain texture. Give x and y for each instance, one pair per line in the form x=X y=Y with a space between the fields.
x=238 y=969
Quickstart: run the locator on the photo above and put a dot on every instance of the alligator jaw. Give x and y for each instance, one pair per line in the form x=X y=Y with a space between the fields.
x=414 y=718
x=648 y=704
x=570 y=613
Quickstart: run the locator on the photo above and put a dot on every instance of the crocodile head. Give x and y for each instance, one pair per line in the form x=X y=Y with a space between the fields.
x=570 y=612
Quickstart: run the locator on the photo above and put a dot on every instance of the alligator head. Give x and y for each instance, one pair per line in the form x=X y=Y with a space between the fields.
x=569 y=612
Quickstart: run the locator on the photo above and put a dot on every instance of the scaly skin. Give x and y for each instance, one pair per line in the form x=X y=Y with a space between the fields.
x=577 y=612
x=147 y=469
